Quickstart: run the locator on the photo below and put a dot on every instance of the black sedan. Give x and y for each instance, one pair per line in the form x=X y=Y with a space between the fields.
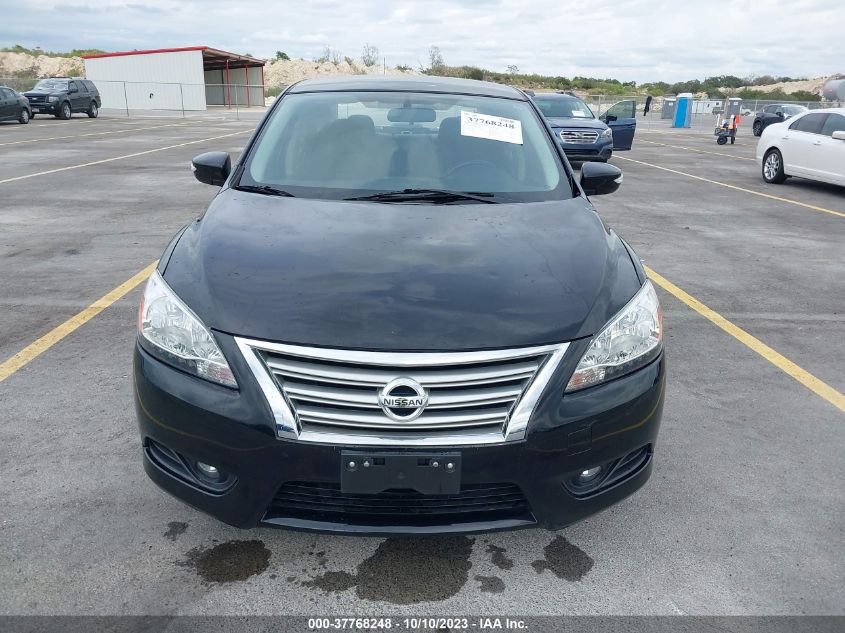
x=774 y=113
x=14 y=106
x=400 y=314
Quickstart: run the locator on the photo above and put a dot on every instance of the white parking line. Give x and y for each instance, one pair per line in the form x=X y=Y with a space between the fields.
x=734 y=187
x=698 y=151
x=58 y=138
x=125 y=156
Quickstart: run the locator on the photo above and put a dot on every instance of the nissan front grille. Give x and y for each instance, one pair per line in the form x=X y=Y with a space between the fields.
x=387 y=398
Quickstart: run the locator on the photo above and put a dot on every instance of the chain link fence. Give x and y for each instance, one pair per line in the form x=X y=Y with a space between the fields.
x=180 y=99
x=704 y=112
x=131 y=98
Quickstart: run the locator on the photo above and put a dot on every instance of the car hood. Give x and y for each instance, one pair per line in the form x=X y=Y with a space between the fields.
x=401 y=277
x=38 y=93
x=576 y=123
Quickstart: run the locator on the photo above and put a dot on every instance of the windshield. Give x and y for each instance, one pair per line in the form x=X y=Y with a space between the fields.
x=51 y=84
x=339 y=145
x=563 y=107
x=793 y=110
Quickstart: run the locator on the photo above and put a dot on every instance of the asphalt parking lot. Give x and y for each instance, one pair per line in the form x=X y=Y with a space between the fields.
x=744 y=513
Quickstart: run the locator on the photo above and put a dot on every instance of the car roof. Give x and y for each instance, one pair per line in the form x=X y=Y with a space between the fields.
x=557 y=95
x=407 y=83
x=826 y=111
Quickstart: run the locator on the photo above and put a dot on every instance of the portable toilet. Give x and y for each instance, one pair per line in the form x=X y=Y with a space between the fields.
x=733 y=106
x=683 y=110
x=668 y=109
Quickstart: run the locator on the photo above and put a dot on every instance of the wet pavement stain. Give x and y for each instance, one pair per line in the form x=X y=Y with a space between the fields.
x=321 y=557
x=175 y=529
x=564 y=560
x=498 y=557
x=491 y=584
x=333 y=581
x=406 y=571
x=230 y=561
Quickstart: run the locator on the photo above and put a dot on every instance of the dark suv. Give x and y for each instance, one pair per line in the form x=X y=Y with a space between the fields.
x=774 y=113
x=62 y=96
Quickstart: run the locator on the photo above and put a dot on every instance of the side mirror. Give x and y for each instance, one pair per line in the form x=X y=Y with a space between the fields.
x=839 y=136
x=598 y=179
x=610 y=117
x=779 y=114
x=212 y=168
x=72 y=89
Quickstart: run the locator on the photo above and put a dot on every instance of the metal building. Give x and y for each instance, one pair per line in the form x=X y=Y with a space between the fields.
x=190 y=78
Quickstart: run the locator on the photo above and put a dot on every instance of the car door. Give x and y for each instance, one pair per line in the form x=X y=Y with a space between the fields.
x=92 y=92
x=800 y=145
x=75 y=95
x=7 y=99
x=84 y=97
x=830 y=154
x=621 y=118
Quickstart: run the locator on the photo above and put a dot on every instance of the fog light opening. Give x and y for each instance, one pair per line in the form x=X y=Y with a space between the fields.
x=208 y=470
x=589 y=474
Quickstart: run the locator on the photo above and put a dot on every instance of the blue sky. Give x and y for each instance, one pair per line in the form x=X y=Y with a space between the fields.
x=641 y=40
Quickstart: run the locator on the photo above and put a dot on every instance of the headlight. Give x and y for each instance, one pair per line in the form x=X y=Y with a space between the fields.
x=633 y=338
x=608 y=133
x=52 y=98
x=171 y=332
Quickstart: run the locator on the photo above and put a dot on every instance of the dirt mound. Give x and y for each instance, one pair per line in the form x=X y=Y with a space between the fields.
x=281 y=72
x=810 y=85
x=22 y=64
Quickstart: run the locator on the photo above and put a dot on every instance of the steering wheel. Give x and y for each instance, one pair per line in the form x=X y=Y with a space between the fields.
x=467 y=164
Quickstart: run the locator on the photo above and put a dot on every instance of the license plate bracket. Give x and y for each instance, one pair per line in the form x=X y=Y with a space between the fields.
x=427 y=473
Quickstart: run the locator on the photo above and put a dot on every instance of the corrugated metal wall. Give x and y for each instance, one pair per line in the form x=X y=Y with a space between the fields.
x=153 y=81
x=244 y=88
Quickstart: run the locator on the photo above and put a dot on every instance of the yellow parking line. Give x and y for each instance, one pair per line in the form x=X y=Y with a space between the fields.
x=35 y=349
x=807 y=379
x=693 y=149
x=724 y=184
x=59 y=138
x=109 y=160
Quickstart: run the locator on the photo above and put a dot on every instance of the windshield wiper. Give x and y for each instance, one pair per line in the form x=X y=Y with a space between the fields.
x=266 y=190
x=427 y=195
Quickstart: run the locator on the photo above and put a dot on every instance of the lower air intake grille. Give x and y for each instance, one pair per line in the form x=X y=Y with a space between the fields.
x=325 y=502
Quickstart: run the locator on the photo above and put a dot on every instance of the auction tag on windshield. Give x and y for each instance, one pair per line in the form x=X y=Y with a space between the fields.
x=495 y=128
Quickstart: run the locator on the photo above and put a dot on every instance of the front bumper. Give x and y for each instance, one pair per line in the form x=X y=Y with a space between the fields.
x=44 y=107
x=588 y=151
x=296 y=484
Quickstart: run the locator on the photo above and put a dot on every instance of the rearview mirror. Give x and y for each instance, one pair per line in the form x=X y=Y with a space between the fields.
x=411 y=115
x=598 y=179
x=839 y=136
x=212 y=168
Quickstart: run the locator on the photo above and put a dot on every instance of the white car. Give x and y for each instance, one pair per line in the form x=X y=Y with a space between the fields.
x=810 y=145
